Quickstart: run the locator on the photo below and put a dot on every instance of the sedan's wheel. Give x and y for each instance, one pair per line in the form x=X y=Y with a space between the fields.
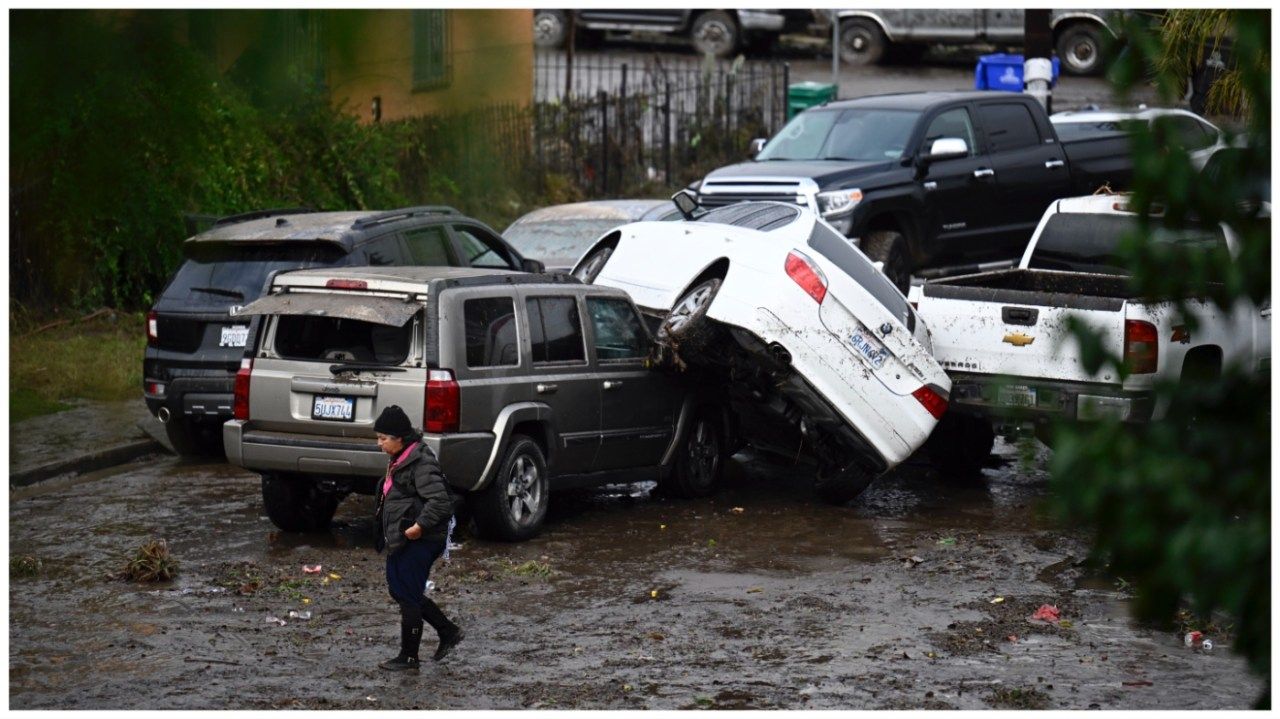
x=514 y=504
x=841 y=486
x=297 y=504
x=698 y=465
x=549 y=28
x=1080 y=49
x=715 y=33
x=861 y=42
x=687 y=326
x=590 y=268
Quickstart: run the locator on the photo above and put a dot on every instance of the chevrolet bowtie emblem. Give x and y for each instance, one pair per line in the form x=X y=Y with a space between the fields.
x=1017 y=339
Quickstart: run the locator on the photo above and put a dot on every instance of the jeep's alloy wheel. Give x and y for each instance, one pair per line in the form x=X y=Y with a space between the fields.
x=524 y=491
x=703 y=455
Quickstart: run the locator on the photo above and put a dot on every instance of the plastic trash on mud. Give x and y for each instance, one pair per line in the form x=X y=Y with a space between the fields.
x=295 y=614
x=1046 y=613
x=311 y=568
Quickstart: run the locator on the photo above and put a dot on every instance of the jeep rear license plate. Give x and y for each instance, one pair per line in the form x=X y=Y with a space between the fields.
x=234 y=336
x=339 y=409
x=1016 y=395
x=869 y=347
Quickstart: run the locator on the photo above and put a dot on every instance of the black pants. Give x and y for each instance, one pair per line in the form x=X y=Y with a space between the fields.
x=407 y=573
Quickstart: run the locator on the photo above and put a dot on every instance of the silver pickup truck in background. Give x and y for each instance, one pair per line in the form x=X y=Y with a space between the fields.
x=865 y=35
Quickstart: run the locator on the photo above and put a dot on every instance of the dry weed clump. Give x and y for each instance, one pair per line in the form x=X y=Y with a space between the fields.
x=151 y=563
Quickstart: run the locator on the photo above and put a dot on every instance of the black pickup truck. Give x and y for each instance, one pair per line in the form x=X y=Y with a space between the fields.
x=925 y=180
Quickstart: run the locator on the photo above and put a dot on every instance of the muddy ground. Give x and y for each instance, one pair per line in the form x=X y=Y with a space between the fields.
x=626 y=601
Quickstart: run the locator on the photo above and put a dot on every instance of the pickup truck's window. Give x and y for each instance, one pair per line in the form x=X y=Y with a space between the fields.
x=555 y=331
x=619 y=333
x=1084 y=242
x=491 y=332
x=952 y=123
x=330 y=339
x=856 y=134
x=1009 y=126
x=835 y=247
x=428 y=246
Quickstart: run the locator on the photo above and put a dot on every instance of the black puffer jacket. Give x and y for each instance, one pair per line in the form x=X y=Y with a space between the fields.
x=418 y=494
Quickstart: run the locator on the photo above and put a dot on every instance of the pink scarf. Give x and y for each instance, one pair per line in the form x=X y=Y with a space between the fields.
x=386 y=486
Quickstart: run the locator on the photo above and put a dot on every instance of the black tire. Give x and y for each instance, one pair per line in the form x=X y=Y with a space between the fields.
x=190 y=439
x=296 y=504
x=514 y=504
x=841 y=486
x=861 y=42
x=589 y=269
x=890 y=248
x=699 y=461
x=550 y=28
x=687 y=327
x=961 y=444
x=715 y=33
x=1079 y=49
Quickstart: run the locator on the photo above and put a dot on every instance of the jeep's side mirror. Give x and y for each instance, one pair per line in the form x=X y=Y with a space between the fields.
x=755 y=147
x=945 y=148
x=532 y=265
x=686 y=203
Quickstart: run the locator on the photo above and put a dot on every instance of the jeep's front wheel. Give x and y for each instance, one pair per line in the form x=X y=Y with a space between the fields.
x=297 y=504
x=514 y=504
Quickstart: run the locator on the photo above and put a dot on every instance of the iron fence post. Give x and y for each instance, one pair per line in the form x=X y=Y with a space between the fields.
x=623 y=123
x=604 y=142
x=666 y=131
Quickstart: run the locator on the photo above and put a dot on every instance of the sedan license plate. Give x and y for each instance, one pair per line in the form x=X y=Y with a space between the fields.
x=1016 y=395
x=869 y=347
x=234 y=336
x=337 y=409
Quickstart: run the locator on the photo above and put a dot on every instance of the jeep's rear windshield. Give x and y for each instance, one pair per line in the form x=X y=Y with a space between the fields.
x=1089 y=242
x=332 y=339
x=835 y=247
x=219 y=275
x=858 y=134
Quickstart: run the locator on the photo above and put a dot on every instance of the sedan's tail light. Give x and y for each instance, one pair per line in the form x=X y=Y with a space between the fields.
x=932 y=400
x=240 y=402
x=1141 y=346
x=444 y=405
x=805 y=273
x=153 y=327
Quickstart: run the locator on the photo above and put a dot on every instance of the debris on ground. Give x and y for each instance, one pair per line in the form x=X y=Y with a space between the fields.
x=912 y=561
x=151 y=563
x=311 y=568
x=295 y=614
x=998 y=600
x=1192 y=638
x=1046 y=613
x=1017 y=698
x=276 y=620
x=335 y=576
x=738 y=510
x=947 y=542
x=24 y=566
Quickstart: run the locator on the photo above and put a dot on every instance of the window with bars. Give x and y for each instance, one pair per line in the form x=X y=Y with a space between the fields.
x=431 y=66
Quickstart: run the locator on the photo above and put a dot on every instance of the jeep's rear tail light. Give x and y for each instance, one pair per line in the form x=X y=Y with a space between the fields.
x=444 y=405
x=1141 y=346
x=346 y=285
x=153 y=328
x=240 y=402
x=805 y=273
x=932 y=400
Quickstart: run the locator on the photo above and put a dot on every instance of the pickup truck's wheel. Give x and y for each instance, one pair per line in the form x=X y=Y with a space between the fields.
x=296 y=504
x=190 y=439
x=1080 y=49
x=861 y=42
x=715 y=33
x=550 y=28
x=687 y=325
x=841 y=486
x=890 y=249
x=960 y=444
x=514 y=504
x=698 y=462
x=589 y=270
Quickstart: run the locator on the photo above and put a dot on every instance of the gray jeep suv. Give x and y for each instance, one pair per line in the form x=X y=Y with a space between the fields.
x=524 y=383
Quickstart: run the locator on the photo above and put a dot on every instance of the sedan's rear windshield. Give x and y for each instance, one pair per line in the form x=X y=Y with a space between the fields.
x=216 y=276
x=331 y=339
x=1087 y=242
x=858 y=134
x=835 y=247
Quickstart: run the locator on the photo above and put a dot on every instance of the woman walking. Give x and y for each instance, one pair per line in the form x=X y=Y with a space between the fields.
x=414 y=519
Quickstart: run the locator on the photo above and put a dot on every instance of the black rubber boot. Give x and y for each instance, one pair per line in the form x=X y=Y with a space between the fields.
x=410 y=640
x=450 y=634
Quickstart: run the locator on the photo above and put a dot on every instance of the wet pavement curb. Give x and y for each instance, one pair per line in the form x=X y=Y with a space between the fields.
x=98 y=459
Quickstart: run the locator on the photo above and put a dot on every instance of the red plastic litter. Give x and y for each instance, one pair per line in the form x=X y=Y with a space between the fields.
x=311 y=568
x=1046 y=613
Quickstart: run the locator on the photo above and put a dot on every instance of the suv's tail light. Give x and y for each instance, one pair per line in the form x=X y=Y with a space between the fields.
x=153 y=327
x=240 y=403
x=806 y=274
x=444 y=405
x=932 y=400
x=1141 y=346
x=346 y=285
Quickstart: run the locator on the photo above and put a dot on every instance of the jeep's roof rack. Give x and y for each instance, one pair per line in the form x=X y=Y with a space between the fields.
x=402 y=213
x=259 y=214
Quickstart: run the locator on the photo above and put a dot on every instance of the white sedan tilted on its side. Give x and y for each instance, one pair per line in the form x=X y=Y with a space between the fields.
x=818 y=348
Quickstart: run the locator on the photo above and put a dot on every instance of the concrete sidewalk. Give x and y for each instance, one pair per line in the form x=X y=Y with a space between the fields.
x=90 y=436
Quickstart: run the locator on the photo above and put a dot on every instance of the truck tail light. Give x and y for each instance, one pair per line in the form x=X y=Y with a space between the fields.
x=444 y=406
x=932 y=400
x=153 y=327
x=806 y=274
x=240 y=402
x=1141 y=346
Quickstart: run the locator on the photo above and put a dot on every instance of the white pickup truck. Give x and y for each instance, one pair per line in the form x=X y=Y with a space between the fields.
x=1003 y=336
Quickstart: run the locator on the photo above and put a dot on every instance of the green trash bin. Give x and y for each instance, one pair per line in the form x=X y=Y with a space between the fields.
x=803 y=95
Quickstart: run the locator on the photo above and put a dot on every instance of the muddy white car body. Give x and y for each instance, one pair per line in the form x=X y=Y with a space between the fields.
x=843 y=340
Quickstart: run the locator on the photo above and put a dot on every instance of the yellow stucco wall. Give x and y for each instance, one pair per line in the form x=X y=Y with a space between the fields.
x=491 y=53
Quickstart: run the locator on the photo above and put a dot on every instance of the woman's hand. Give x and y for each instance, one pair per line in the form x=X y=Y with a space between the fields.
x=413 y=532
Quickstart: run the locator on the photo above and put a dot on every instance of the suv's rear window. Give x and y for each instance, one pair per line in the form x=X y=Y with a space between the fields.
x=221 y=275
x=331 y=339
x=1088 y=242
x=491 y=332
x=843 y=254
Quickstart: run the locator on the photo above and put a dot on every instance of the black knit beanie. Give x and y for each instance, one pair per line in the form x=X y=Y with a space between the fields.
x=393 y=421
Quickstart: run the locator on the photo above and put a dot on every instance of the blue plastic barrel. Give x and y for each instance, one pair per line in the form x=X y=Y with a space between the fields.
x=1003 y=72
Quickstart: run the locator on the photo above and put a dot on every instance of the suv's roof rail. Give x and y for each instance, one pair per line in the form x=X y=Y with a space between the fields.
x=402 y=213
x=259 y=214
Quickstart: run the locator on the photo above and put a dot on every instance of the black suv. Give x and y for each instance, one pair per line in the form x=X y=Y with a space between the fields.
x=194 y=338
